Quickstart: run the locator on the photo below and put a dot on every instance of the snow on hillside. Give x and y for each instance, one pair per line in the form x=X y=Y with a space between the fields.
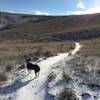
x=8 y=20
x=26 y=88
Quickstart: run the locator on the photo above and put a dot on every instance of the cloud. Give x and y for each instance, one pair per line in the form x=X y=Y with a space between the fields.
x=80 y=4
x=36 y=12
x=87 y=11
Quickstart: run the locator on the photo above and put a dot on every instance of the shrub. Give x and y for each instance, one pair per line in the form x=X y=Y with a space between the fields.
x=98 y=71
x=3 y=77
x=51 y=76
x=66 y=77
x=67 y=94
x=47 y=54
x=9 y=67
x=35 y=58
x=38 y=52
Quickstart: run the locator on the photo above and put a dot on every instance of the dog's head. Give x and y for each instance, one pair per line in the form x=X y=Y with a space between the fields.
x=27 y=60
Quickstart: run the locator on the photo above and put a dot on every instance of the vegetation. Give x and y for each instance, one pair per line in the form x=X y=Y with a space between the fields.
x=51 y=76
x=90 y=46
x=9 y=67
x=36 y=37
x=15 y=51
x=66 y=76
x=52 y=25
x=3 y=77
x=67 y=94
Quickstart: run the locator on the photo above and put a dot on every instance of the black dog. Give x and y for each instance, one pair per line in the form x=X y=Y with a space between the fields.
x=34 y=67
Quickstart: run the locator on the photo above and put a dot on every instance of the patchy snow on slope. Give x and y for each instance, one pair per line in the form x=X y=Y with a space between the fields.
x=28 y=88
x=11 y=20
x=83 y=82
x=3 y=23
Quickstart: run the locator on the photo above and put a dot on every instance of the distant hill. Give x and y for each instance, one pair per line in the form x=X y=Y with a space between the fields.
x=48 y=28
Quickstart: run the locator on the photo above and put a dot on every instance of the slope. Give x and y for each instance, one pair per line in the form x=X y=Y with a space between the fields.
x=36 y=89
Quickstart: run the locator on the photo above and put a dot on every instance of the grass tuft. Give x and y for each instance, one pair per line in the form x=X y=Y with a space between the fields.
x=67 y=94
x=66 y=77
x=3 y=77
x=51 y=76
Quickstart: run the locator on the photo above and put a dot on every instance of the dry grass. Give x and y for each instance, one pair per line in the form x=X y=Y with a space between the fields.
x=51 y=76
x=15 y=51
x=9 y=67
x=3 y=77
x=67 y=94
x=90 y=46
x=66 y=76
x=27 y=39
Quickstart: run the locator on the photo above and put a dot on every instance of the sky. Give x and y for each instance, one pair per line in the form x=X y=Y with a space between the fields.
x=51 y=7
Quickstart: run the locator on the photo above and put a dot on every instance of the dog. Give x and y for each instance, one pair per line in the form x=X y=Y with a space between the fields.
x=31 y=66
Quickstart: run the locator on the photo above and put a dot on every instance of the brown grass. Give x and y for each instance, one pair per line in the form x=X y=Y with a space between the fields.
x=41 y=30
x=3 y=77
x=15 y=51
x=90 y=46
x=28 y=38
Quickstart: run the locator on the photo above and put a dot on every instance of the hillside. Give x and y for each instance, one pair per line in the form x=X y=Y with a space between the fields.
x=24 y=34
x=36 y=28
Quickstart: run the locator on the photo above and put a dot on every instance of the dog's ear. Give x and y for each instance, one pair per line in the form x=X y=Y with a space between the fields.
x=27 y=59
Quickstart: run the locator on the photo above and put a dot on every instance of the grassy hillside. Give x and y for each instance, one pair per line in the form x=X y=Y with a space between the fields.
x=48 y=34
x=43 y=29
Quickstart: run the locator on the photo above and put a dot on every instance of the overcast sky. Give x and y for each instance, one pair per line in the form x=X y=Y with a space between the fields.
x=51 y=7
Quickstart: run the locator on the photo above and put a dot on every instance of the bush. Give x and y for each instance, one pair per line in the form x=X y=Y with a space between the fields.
x=3 y=77
x=67 y=94
x=38 y=52
x=47 y=54
x=66 y=77
x=51 y=76
x=9 y=67
x=98 y=71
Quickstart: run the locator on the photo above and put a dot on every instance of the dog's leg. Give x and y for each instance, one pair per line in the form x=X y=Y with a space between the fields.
x=38 y=74
x=35 y=75
x=29 y=71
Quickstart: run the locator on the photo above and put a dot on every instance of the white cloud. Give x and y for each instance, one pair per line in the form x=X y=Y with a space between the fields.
x=87 y=11
x=80 y=4
x=36 y=12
